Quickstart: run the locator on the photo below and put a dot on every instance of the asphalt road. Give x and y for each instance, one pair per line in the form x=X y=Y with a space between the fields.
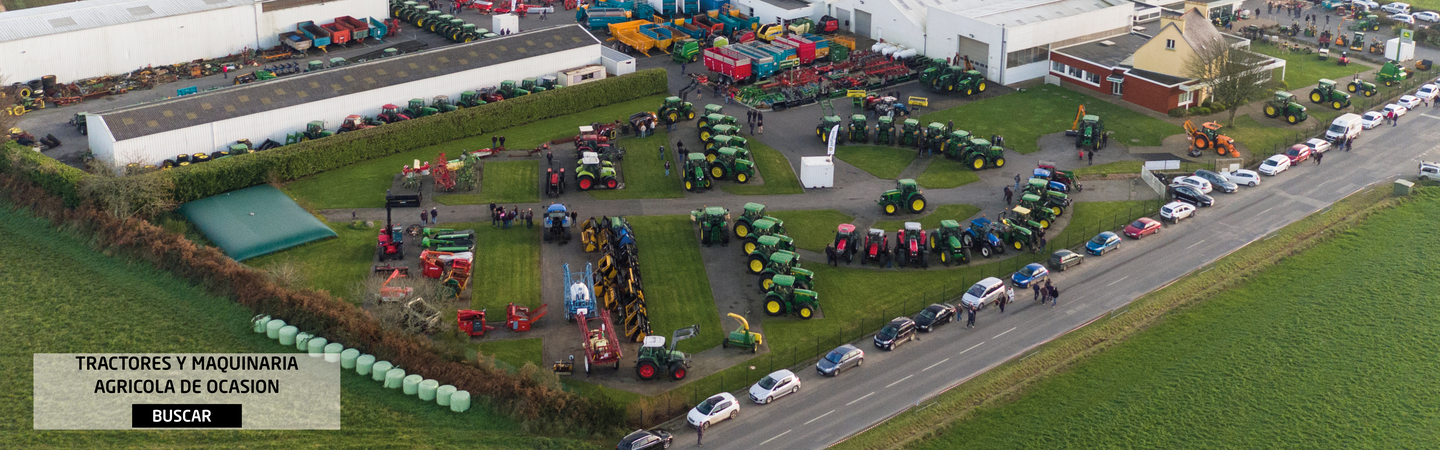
x=827 y=410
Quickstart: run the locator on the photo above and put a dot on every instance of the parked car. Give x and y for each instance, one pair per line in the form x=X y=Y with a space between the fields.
x=985 y=292
x=1218 y=181
x=1397 y=108
x=1244 y=177
x=1142 y=227
x=1408 y=101
x=1191 y=195
x=1369 y=5
x=713 y=410
x=1298 y=153
x=935 y=315
x=1064 y=259
x=1103 y=242
x=1396 y=8
x=1274 y=165
x=1372 y=119
x=775 y=385
x=1318 y=145
x=1192 y=181
x=1030 y=274
x=645 y=440
x=1176 y=211
x=1428 y=91
x=1428 y=16
x=899 y=331
x=1403 y=18
x=840 y=359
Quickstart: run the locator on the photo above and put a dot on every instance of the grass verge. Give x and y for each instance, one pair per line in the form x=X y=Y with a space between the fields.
x=882 y=162
x=1305 y=69
x=507 y=267
x=334 y=265
x=1024 y=116
x=644 y=172
x=946 y=174
x=812 y=229
x=774 y=168
x=961 y=212
x=515 y=352
x=1134 y=166
x=503 y=182
x=677 y=291
x=1263 y=140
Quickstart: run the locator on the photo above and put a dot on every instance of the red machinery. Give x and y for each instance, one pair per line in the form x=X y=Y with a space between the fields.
x=444 y=178
x=353 y=122
x=554 y=182
x=431 y=266
x=394 y=293
x=339 y=33
x=519 y=318
x=391 y=114
x=472 y=322
x=601 y=345
x=828 y=25
x=876 y=244
x=458 y=278
x=729 y=63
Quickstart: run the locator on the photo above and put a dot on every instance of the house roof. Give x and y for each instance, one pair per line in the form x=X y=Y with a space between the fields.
x=1109 y=52
x=66 y=17
x=253 y=98
x=1163 y=79
x=1200 y=33
x=1021 y=12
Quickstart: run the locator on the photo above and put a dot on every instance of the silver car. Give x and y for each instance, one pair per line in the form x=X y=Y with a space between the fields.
x=1218 y=181
x=840 y=359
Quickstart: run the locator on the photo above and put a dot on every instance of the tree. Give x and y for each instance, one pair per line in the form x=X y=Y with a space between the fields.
x=1232 y=76
x=127 y=195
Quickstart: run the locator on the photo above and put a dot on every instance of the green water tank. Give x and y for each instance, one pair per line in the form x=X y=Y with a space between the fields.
x=394 y=378
x=426 y=390
x=411 y=384
x=377 y=371
x=302 y=340
x=460 y=401
x=272 y=328
x=260 y=321
x=316 y=346
x=287 y=335
x=363 y=364
x=443 y=393
x=347 y=358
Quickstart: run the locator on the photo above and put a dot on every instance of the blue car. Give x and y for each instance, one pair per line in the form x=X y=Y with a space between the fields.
x=1030 y=274
x=1102 y=243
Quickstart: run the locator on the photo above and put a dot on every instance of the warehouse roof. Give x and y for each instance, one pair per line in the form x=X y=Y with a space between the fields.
x=1021 y=12
x=1108 y=52
x=253 y=98
x=66 y=17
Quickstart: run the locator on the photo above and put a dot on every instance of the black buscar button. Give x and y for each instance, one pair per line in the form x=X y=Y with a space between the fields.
x=185 y=416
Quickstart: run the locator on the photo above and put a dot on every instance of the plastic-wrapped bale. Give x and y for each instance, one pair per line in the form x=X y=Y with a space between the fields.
x=443 y=393
x=272 y=328
x=287 y=335
x=347 y=358
x=260 y=322
x=411 y=384
x=316 y=346
x=332 y=352
x=377 y=371
x=426 y=390
x=363 y=364
x=393 y=378
x=460 y=401
x=302 y=340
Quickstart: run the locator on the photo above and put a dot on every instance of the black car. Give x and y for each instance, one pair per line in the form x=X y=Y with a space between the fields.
x=933 y=316
x=899 y=331
x=1191 y=195
x=645 y=440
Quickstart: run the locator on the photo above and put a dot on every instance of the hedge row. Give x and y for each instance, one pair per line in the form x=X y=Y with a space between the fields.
x=308 y=158
x=54 y=176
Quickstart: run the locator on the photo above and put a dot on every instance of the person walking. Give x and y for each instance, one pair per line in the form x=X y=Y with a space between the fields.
x=830 y=255
x=433 y=214
x=680 y=152
x=969 y=316
x=529 y=218
x=1035 y=287
x=752 y=128
x=424 y=217
x=682 y=68
x=1092 y=157
x=1395 y=121
x=1001 y=303
x=1008 y=195
x=1054 y=293
x=667 y=169
x=760 y=124
x=225 y=71
x=662 y=152
x=1346 y=143
x=1318 y=157
x=700 y=430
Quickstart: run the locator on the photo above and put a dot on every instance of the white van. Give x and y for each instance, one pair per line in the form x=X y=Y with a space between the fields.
x=1344 y=127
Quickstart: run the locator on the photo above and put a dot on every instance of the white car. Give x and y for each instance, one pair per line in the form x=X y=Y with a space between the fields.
x=1372 y=119
x=1318 y=145
x=1428 y=92
x=1275 y=164
x=1368 y=4
x=1396 y=8
x=1403 y=18
x=1398 y=109
x=1243 y=177
x=1408 y=101
x=1174 y=211
x=1428 y=16
x=713 y=410
x=775 y=385
x=1193 y=181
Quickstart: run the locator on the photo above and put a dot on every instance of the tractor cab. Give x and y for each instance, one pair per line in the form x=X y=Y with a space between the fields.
x=417 y=109
x=760 y=250
x=954 y=145
x=876 y=244
x=654 y=356
x=729 y=141
x=714 y=225
x=783 y=262
x=753 y=211
x=442 y=103
x=768 y=226
x=845 y=237
x=935 y=130
x=827 y=123
x=695 y=174
x=712 y=109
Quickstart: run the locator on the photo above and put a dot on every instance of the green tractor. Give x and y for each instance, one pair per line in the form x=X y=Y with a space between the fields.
x=947 y=242
x=1038 y=219
x=593 y=172
x=470 y=99
x=1090 y=132
x=980 y=154
x=761 y=248
x=1052 y=201
x=1362 y=87
x=954 y=145
x=708 y=135
x=946 y=79
x=417 y=109
x=1370 y=22
x=695 y=175
x=859 y=129
x=784 y=262
x=784 y=297
x=313 y=130
x=970 y=82
x=442 y=103
x=885 y=130
x=754 y=212
x=910 y=133
x=674 y=110
x=766 y=228
x=742 y=337
x=734 y=163
x=712 y=148
x=1391 y=74
x=933 y=69
x=1015 y=236
x=826 y=124
x=1284 y=104
x=1326 y=92
x=708 y=120
x=906 y=195
x=508 y=90
x=714 y=225
x=933 y=137
x=654 y=356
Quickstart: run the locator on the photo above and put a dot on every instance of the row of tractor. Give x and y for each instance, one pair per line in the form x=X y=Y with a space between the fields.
x=960 y=145
x=770 y=253
x=449 y=26
x=726 y=155
x=940 y=76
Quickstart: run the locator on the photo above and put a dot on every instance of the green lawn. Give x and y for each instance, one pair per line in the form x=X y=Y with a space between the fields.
x=1088 y=219
x=812 y=229
x=774 y=168
x=677 y=292
x=507 y=266
x=363 y=185
x=1134 y=166
x=945 y=174
x=882 y=162
x=1022 y=117
x=1262 y=139
x=1303 y=69
x=335 y=265
x=961 y=212
x=644 y=172
x=503 y=182
x=516 y=352
x=1288 y=359
x=148 y=311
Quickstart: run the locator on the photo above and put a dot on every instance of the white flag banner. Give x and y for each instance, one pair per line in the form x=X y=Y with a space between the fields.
x=834 y=133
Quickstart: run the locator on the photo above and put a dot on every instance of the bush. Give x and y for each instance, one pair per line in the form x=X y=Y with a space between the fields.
x=54 y=176
x=1199 y=111
x=311 y=157
x=1176 y=112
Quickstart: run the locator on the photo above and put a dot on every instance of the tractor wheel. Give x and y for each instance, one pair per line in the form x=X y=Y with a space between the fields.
x=689 y=185
x=1388 y=83
x=611 y=183
x=1316 y=97
x=646 y=370
x=1349 y=87
x=773 y=307
x=999 y=162
x=1271 y=112
x=704 y=237
x=742 y=229
x=966 y=240
x=1202 y=141
x=711 y=155
x=1336 y=104
x=985 y=251
x=1292 y=119
x=969 y=92
x=717 y=171
x=980 y=87
x=756 y=264
x=766 y=281
x=1019 y=245
x=806 y=313
x=586 y=183
x=890 y=209
x=1369 y=92
x=1044 y=224
x=677 y=372
x=933 y=238
x=917 y=204
x=701 y=125
x=945 y=258
x=742 y=178
x=977 y=163
x=705 y=135
x=690 y=115
x=1057 y=210
x=999 y=249
x=755 y=348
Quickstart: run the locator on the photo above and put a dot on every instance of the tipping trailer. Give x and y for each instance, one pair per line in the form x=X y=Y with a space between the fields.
x=359 y=29
x=380 y=30
x=804 y=48
x=601 y=18
x=628 y=33
x=296 y=40
x=729 y=63
x=319 y=37
x=822 y=45
x=339 y=33
x=762 y=62
x=659 y=33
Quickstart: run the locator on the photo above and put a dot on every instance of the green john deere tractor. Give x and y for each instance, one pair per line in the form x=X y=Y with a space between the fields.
x=933 y=137
x=716 y=143
x=417 y=109
x=906 y=196
x=1090 y=133
x=442 y=103
x=1054 y=202
x=592 y=173
x=785 y=298
x=1039 y=218
x=910 y=133
x=709 y=120
x=742 y=337
x=313 y=130
x=826 y=124
x=1284 y=104
x=934 y=68
x=946 y=79
x=859 y=129
x=714 y=224
x=947 y=242
x=955 y=143
x=1362 y=87
x=654 y=357
x=675 y=110
x=1015 y=236
x=754 y=212
x=470 y=99
x=733 y=163
x=712 y=109
x=784 y=262
x=762 y=247
x=708 y=135
x=695 y=174
x=1391 y=74
x=763 y=228
x=885 y=130
x=970 y=82
x=1370 y=22
x=1327 y=93
x=979 y=154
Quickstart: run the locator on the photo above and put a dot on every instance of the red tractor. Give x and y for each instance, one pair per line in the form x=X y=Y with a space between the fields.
x=910 y=246
x=846 y=242
x=391 y=114
x=389 y=245
x=877 y=247
x=554 y=182
x=472 y=322
x=356 y=122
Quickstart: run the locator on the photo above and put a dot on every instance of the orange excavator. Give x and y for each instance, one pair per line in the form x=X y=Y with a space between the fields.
x=1207 y=136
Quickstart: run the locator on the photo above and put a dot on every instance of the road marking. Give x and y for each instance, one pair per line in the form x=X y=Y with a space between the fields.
x=1006 y=331
x=1265 y=211
x=1202 y=241
x=767 y=441
x=969 y=349
x=1112 y=283
x=932 y=366
x=1430 y=116
x=862 y=397
x=897 y=381
x=826 y=414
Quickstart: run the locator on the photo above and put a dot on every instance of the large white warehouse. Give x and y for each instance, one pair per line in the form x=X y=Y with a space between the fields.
x=103 y=37
x=206 y=122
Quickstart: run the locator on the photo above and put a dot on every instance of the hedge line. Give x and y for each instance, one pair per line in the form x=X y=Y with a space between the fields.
x=308 y=158
x=54 y=176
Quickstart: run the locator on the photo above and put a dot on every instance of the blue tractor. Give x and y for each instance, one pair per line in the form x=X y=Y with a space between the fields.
x=557 y=224
x=981 y=238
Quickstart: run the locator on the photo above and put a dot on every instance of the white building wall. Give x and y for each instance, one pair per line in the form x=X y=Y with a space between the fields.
x=945 y=27
x=886 y=21
x=768 y=13
x=272 y=23
x=102 y=142
x=275 y=124
x=129 y=46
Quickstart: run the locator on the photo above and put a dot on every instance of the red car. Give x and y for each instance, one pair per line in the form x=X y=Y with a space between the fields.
x=1141 y=227
x=1298 y=153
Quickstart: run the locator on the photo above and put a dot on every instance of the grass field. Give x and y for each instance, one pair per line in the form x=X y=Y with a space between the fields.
x=882 y=162
x=1022 y=117
x=1302 y=69
x=503 y=182
x=643 y=171
x=363 y=185
x=515 y=352
x=507 y=267
x=1134 y=166
x=1292 y=357
x=147 y=311
x=1088 y=219
x=945 y=174
x=1262 y=139
x=812 y=229
x=334 y=265
x=677 y=292
x=961 y=212
x=774 y=168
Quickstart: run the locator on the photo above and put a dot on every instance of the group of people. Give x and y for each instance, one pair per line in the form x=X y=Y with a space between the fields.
x=755 y=118
x=497 y=142
x=1048 y=292
x=501 y=218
